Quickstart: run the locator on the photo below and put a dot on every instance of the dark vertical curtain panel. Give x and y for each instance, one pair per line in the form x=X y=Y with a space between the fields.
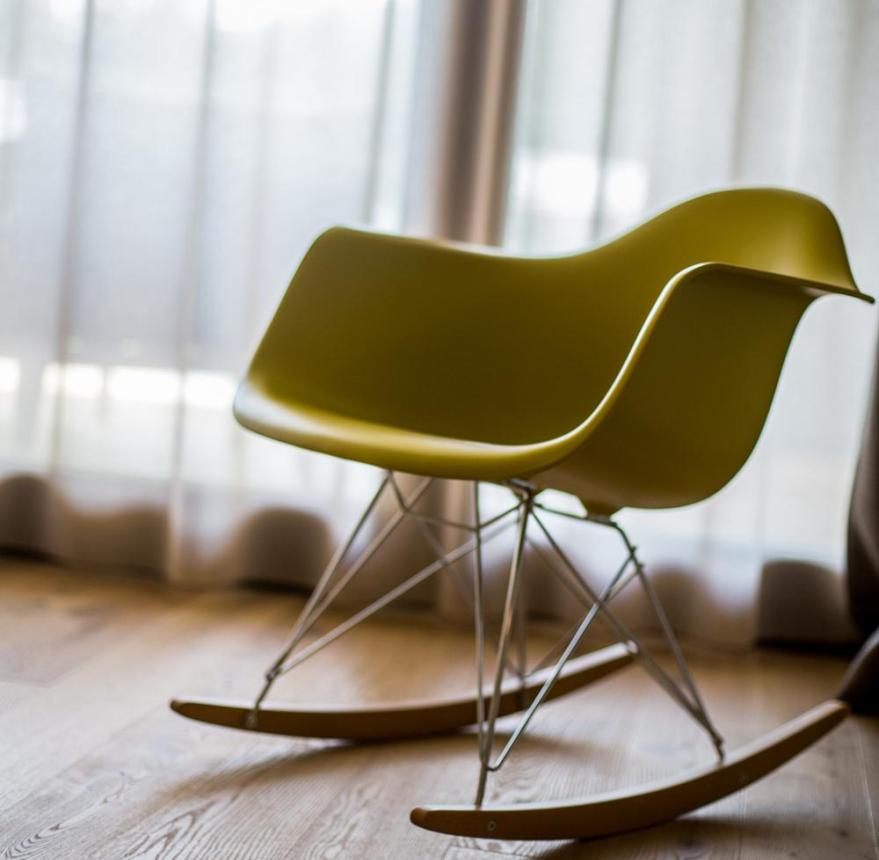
x=861 y=685
x=863 y=525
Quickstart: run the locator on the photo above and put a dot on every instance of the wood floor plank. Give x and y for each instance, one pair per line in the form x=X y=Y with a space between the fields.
x=868 y=744
x=88 y=612
x=93 y=764
x=60 y=722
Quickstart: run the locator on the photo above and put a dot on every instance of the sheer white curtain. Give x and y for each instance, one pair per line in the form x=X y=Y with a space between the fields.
x=163 y=166
x=628 y=106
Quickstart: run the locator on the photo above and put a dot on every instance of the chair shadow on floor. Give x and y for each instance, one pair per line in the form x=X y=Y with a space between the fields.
x=703 y=835
x=310 y=758
x=716 y=835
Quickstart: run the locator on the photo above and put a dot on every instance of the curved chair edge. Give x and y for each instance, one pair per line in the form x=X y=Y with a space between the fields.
x=387 y=447
x=480 y=250
x=813 y=289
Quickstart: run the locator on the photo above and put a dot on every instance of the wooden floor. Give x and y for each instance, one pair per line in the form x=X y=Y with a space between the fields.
x=94 y=765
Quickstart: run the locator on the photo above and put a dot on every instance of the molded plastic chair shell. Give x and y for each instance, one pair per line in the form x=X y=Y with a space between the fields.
x=638 y=373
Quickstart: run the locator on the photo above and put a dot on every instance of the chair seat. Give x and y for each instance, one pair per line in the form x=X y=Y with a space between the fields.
x=387 y=446
x=635 y=374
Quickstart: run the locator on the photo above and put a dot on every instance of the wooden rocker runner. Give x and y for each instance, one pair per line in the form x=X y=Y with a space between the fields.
x=638 y=374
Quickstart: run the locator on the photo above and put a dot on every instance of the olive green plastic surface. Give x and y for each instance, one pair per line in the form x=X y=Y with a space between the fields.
x=638 y=373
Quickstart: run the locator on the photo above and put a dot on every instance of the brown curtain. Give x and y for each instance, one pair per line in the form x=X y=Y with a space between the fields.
x=861 y=684
x=862 y=574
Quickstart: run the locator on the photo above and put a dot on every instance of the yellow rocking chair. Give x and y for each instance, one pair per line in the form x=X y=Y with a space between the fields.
x=637 y=374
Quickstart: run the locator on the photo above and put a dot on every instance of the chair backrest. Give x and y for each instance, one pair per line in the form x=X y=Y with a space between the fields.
x=483 y=346
x=766 y=229
x=769 y=229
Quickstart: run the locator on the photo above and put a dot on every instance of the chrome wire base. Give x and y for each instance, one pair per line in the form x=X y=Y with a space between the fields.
x=337 y=575
x=683 y=690
x=526 y=510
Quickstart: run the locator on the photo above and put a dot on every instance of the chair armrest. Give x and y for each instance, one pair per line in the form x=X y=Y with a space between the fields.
x=690 y=401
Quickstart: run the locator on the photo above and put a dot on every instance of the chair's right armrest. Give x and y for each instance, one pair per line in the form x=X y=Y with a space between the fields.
x=691 y=399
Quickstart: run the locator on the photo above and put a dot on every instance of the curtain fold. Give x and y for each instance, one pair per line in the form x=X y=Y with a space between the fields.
x=630 y=106
x=164 y=165
x=862 y=558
